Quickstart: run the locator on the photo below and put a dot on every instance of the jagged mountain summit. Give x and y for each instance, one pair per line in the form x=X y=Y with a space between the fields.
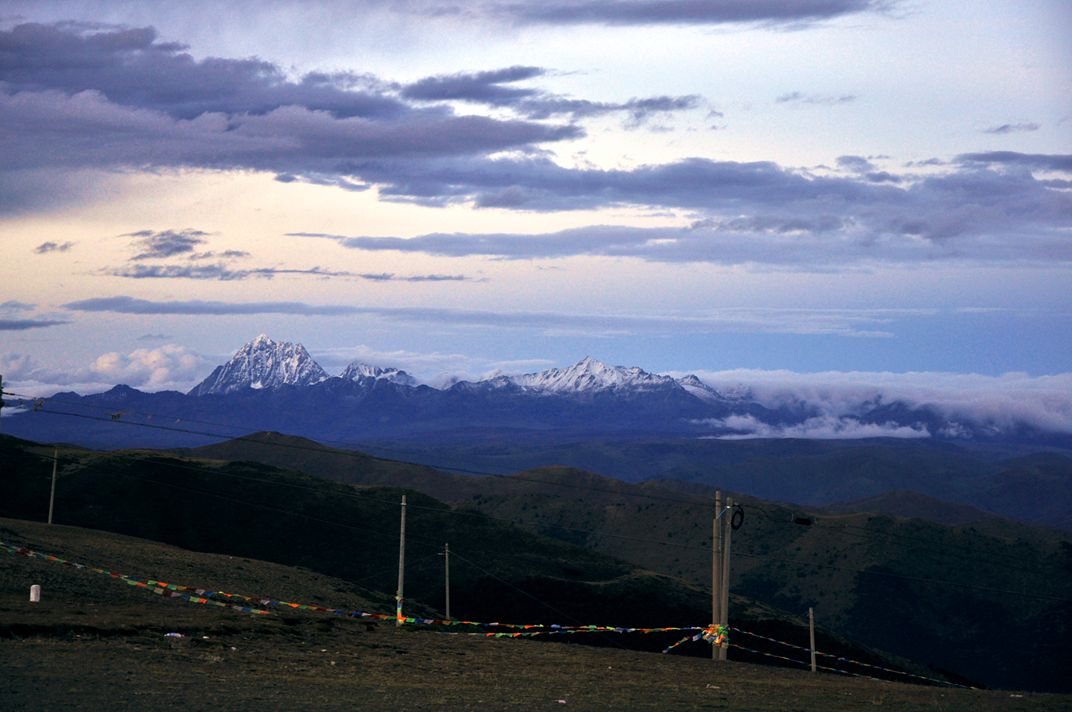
x=263 y=364
x=271 y=385
x=362 y=372
x=588 y=376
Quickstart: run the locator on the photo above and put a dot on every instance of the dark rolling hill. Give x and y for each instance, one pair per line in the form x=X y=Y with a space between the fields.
x=1035 y=487
x=499 y=572
x=853 y=567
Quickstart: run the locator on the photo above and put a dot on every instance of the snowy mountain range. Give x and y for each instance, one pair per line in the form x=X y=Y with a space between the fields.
x=267 y=364
x=270 y=385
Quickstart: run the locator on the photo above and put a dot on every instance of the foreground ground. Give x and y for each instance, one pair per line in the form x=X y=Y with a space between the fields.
x=96 y=643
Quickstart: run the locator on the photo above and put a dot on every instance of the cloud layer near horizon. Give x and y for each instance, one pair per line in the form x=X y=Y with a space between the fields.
x=837 y=399
x=73 y=98
x=844 y=322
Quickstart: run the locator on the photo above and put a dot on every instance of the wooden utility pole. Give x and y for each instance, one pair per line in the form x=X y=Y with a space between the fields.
x=716 y=567
x=401 y=565
x=811 y=635
x=446 y=577
x=725 y=589
x=52 y=494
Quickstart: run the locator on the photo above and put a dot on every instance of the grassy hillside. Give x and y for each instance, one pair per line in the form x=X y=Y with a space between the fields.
x=922 y=590
x=1032 y=487
x=943 y=582
x=249 y=509
x=95 y=643
x=856 y=570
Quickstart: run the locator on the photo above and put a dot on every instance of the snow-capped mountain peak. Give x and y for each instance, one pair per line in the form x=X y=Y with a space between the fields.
x=590 y=375
x=263 y=363
x=358 y=371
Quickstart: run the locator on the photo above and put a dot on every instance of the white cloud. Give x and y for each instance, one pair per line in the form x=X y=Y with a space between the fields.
x=744 y=427
x=997 y=402
x=155 y=369
x=168 y=367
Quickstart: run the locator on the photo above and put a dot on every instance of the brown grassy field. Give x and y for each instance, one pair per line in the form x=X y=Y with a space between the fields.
x=95 y=643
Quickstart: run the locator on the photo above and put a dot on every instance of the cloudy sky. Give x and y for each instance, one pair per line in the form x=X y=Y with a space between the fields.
x=820 y=188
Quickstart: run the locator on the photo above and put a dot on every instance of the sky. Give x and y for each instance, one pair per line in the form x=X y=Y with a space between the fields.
x=796 y=193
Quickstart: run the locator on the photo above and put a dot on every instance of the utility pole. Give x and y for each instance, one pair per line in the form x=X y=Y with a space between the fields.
x=446 y=577
x=1 y=401
x=725 y=589
x=52 y=494
x=716 y=567
x=401 y=565
x=811 y=635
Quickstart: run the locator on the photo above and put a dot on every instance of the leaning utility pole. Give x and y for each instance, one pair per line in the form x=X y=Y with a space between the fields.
x=716 y=567
x=811 y=635
x=52 y=493
x=725 y=589
x=446 y=577
x=401 y=565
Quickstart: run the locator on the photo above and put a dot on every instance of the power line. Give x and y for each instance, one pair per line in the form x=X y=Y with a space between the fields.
x=452 y=511
x=351 y=453
x=587 y=531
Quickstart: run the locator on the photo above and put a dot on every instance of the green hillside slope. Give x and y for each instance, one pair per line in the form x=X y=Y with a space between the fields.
x=95 y=643
x=855 y=569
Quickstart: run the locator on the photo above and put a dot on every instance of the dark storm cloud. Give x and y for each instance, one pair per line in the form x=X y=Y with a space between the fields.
x=130 y=67
x=483 y=87
x=538 y=183
x=225 y=255
x=46 y=247
x=863 y=323
x=1011 y=128
x=51 y=129
x=774 y=216
x=165 y=243
x=104 y=98
x=678 y=12
x=130 y=305
x=797 y=97
x=23 y=324
x=1031 y=161
x=223 y=273
x=490 y=88
x=58 y=116
x=856 y=164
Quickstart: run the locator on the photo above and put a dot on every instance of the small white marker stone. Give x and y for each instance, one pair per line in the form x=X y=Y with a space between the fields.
x=35 y=593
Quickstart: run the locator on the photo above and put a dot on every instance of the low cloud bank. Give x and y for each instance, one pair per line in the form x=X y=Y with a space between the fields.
x=827 y=405
x=999 y=404
x=167 y=367
x=826 y=427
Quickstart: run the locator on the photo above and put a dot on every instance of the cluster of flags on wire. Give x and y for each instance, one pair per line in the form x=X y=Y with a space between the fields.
x=249 y=604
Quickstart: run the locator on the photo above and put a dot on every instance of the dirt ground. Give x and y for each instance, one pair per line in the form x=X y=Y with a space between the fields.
x=94 y=642
x=224 y=662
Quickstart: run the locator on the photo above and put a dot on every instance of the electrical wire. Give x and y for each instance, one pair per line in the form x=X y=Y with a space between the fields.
x=870 y=572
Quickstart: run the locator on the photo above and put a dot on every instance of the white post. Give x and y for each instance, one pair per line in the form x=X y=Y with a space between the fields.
x=401 y=565
x=35 y=593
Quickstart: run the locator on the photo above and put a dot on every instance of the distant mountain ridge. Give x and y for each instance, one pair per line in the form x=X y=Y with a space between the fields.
x=267 y=364
x=270 y=385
